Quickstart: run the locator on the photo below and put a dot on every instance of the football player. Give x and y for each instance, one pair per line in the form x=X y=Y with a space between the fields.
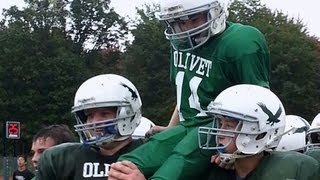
x=47 y=137
x=107 y=109
x=294 y=140
x=313 y=138
x=248 y=124
x=143 y=128
x=208 y=55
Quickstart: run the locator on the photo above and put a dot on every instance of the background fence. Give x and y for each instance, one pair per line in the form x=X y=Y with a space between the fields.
x=9 y=164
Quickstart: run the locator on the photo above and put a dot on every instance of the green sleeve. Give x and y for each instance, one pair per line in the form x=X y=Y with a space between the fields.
x=47 y=165
x=57 y=163
x=249 y=57
x=309 y=170
x=251 y=69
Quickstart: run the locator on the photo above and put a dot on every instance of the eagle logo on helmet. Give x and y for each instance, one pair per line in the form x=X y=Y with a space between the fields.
x=133 y=93
x=272 y=118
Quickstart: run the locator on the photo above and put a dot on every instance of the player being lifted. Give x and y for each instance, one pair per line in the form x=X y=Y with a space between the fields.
x=208 y=55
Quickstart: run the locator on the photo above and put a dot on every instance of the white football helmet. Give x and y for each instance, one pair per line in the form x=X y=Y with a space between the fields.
x=261 y=121
x=107 y=90
x=294 y=140
x=143 y=127
x=313 y=135
x=172 y=12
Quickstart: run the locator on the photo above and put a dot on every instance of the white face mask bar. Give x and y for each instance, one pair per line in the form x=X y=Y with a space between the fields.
x=195 y=37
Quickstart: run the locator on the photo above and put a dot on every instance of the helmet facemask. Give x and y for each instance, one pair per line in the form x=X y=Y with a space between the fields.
x=103 y=92
x=260 y=115
x=313 y=134
x=227 y=150
x=189 y=39
x=105 y=131
x=313 y=139
x=214 y=22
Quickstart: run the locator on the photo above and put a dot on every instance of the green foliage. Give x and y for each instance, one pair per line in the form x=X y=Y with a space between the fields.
x=43 y=60
x=146 y=64
x=93 y=21
x=294 y=56
x=104 y=61
x=38 y=77
x=42 y=65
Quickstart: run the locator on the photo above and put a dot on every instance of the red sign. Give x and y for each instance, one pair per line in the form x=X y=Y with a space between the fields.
x=13 y=130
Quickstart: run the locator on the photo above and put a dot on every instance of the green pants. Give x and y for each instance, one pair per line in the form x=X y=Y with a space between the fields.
x=172 y=154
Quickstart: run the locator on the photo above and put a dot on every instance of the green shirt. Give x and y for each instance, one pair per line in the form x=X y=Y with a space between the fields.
x=277 y=166
x=315 y=153
x=239 y=55
x=74 y=161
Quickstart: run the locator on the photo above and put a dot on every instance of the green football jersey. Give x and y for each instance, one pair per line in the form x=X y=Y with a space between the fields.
x=239 y=55
x=278 y=166
x=74 y=161
x=315 y=153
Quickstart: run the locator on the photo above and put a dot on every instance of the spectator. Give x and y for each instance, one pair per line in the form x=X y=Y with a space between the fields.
x=22 y=173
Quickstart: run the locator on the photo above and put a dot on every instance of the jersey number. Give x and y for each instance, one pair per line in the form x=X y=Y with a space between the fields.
x=193 y=98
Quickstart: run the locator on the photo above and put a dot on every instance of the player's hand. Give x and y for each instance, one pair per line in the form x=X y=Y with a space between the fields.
x=125 y=170
x=215 y=159
x=154 y=130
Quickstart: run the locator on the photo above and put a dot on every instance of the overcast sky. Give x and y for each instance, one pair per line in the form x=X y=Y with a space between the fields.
x=307 y=10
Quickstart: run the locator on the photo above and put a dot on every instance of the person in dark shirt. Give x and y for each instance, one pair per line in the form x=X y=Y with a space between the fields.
x=22 y=173
x=107 y=109
x=47 y=137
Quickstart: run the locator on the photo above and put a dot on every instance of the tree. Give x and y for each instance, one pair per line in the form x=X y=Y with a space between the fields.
x=294 y=56
x=37 y=78
x=146 y=64
x=94 y=23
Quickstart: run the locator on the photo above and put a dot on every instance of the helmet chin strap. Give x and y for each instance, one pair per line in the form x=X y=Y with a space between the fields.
x=122 y=138
x=231 y=158
x=114 y=139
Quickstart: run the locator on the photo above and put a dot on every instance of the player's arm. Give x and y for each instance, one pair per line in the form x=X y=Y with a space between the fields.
x=125 y=170
x=173 y=122
x=46 y=169
x=174 y=118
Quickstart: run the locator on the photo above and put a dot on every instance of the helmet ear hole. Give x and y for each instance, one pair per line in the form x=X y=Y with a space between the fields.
x=261 y=136
x=125 y=125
